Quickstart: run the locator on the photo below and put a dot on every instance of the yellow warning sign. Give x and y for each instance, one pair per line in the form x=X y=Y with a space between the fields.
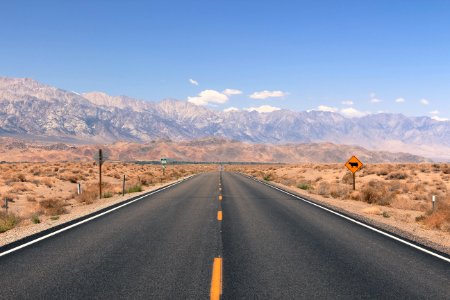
x=354 y=164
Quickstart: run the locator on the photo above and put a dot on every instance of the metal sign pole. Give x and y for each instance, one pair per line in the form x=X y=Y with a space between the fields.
x=354 y=181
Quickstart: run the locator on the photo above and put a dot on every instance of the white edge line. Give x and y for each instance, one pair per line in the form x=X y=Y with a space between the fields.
x=91 y=218
x=353 y=220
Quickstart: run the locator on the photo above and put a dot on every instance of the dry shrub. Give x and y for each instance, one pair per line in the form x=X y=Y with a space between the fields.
x=404 y=202
x=73 y=178
x=287 y=182
x=53 y=206
x=397 y=176
x=338 y=191
x=324 y=189
x=347 y=178
x=48 y=182
x=19 y=188
x=440 y=218
x=8 y=221
x=31 y=198
x=446 y=169
x=21 y=177
x=88 y=195
x=376 y=192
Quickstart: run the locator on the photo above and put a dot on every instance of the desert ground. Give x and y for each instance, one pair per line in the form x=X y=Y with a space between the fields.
x=45 y=192
x=399 y=195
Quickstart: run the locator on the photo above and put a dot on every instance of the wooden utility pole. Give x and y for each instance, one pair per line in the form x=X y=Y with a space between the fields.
x=100 y=162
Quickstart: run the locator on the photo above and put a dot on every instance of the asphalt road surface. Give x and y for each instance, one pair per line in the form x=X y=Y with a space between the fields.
x=272 y=245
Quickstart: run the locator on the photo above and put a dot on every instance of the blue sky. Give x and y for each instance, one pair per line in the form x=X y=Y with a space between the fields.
x=351 y=56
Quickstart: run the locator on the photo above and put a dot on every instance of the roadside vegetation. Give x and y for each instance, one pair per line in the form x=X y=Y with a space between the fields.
x=402 y=187
x=37 y=192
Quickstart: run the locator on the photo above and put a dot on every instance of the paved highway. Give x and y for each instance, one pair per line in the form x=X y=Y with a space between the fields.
x=267 y=245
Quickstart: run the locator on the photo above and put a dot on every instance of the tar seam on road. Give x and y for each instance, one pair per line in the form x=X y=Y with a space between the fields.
x=91 y=218
x=354 y=221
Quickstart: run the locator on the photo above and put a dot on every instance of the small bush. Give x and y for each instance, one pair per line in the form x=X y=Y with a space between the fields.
x=8 y=221
x=347 y=178
x=35 y=219
x=397 y=176
x=324 y=189
x=107 y=195
x=135 y=189
x=268 y=177
x=304 y=186
x=376 y=193
x=53 y=206
x=31 y=199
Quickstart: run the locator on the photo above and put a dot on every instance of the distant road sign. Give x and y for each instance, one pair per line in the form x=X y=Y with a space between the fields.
x=163 y=161
x=354 y=164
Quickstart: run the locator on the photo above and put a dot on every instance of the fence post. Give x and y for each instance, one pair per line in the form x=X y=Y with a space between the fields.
x=434 y=202
x=6 y=204
x=79 y=188
x=123 y=186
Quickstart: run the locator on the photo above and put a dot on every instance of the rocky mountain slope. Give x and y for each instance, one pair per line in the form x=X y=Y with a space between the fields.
x=29 y=109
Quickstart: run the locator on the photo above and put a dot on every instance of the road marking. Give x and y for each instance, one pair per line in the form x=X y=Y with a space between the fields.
x=220 y=197
x=216 y=280
x=91 y=218
x=355 y=221
x=219 y=215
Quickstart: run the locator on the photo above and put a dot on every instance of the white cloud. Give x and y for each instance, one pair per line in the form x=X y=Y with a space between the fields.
x=207 y=97
x=230 y=109
x=327 y=108
x=352 y=112
x=400 y=100
x=263 y=109
x=375 y=100
x=347 y=102
x=424 y=101
x=434 y=112
x=231 y=92
x=439 y=119
x=268 y=94
x=192 y=81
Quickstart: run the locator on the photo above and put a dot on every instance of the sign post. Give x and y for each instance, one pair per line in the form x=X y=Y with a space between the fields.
x=354 y=165
x=163 y=164
x=100 y=159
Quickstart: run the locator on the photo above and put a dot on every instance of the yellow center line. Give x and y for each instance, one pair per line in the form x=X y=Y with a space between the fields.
x=219 y=215
x=220 y=197
x=216 y=281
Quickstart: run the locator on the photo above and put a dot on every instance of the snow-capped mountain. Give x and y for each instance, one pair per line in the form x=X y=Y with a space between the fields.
x=29 y=109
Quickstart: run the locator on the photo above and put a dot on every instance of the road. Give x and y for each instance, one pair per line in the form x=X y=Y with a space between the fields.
x=272 y=246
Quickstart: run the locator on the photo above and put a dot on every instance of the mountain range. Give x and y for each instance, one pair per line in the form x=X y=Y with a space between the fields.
x=202 y=150
x=37 y=112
